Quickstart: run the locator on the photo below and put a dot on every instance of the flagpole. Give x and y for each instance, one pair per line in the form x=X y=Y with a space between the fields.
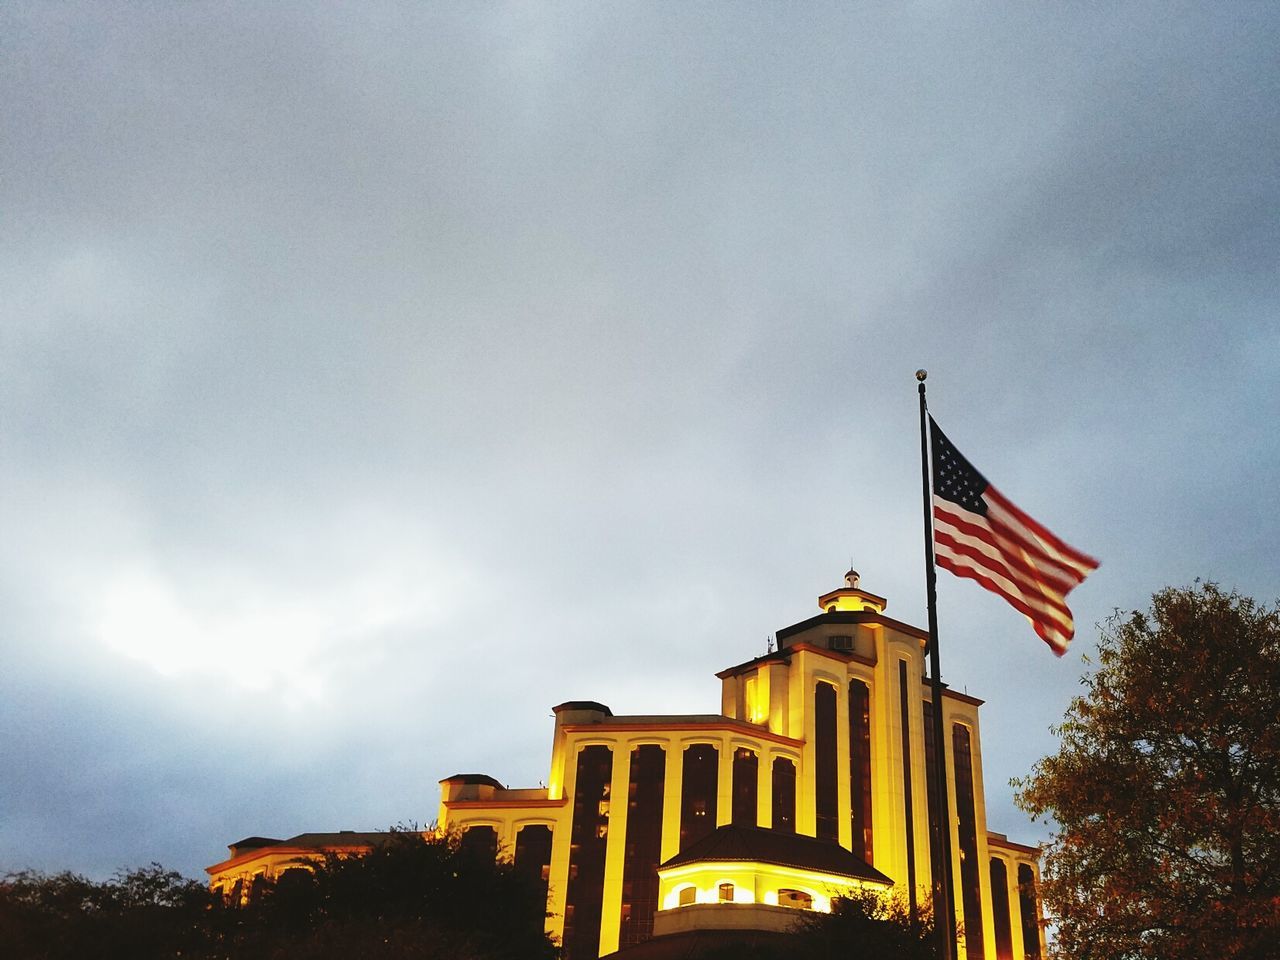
x=944 y=917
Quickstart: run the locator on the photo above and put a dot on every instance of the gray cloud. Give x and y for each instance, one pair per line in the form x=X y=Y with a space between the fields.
x=374 y=378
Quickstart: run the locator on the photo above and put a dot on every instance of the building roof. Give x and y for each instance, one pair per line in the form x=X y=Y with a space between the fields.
x=342 y=838
x=252 y=848
x=474 y=778
x=729 y=843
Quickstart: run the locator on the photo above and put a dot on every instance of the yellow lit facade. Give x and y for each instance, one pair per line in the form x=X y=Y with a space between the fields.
x=257 y=859
x=824 y=738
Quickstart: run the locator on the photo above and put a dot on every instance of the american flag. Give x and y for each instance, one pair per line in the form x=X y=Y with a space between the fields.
x=978 y=533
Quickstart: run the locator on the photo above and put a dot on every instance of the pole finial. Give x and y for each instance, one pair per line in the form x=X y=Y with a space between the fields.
x=922 y=374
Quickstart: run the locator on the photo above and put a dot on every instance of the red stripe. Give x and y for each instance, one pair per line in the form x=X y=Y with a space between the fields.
x=1052 y=572
x=1034 y=588
x=1047 y=608
x=1039 y=530
x=1046 y=630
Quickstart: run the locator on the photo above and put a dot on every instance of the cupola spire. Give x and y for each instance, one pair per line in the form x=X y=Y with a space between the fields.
x=851 y=598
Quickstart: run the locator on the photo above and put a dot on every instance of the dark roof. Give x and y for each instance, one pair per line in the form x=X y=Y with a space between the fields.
x=482 y=778
x=849 y=616
x=772 y=846
x=341 y=838
x=583 y=705
x=253 y=843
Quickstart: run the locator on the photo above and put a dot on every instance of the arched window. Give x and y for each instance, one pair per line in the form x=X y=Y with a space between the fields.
x=860 y=768
x=726 y=892
x=1029 y=911
x=698 y=793
x=826 y=764
x=784 y=796
x=795 y=898
x=644 y=844
x=480 y=842
x=746 y=780
x=587 y=841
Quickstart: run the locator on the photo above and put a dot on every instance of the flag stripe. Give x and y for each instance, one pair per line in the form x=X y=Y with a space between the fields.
x=983 y=535
x=1057 y=639
x=1047 y=601
x=1029 y=531
x=1031 y=593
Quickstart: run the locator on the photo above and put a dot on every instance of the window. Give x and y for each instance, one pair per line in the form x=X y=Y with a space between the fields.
x=746 y=782
x=479 y=842
x=687 y=896
x=968 y=836
x=784 y=796
x=1029 y=911
x=1000 y=909
x=698 y=793
x=588 y=839
x=860 y=768
x=726 y=892
x=841 y=642
x=643 y=844
x=825 y=789
x=533 y=853
x=795 y=898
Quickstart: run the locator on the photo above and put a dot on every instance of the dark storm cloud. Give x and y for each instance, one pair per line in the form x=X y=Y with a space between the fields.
x=375 y=377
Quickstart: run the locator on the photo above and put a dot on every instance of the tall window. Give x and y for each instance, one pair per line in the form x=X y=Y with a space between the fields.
x=746 y=787
x=826 y=796
x=533 y=854
x=1000 y=909
x=644 y=843
x=968 y=829
x=479 y=842
x=584 y=893
x=1027 y=908
x=698 y=785
x=784 y=796
x=860 y=767
x=908 y=801
x=931 y=781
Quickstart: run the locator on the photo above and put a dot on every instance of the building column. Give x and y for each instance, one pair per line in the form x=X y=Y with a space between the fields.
x=1015 y=908
x=615 y=850
x=671 y=800
x=764 y=789
x=724 y=783
x=844 y=769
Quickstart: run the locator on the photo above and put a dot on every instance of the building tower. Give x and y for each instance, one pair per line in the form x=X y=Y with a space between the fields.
x=813 y=778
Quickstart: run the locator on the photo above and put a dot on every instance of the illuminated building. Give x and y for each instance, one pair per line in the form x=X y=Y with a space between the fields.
x=813 y=778
x=256 y=859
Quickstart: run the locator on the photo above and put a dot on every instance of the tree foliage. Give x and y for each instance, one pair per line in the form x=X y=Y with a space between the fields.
x=414 y=896
x=149 y=912
x=866 y=924
x=1166 y=787
x=861 y=924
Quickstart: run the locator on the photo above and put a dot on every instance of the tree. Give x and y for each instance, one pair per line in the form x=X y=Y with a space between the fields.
x=866 y=924
x=148 y=912
x=413 y=896
x=1166 y=787
x=416 y=896
x=862 y=924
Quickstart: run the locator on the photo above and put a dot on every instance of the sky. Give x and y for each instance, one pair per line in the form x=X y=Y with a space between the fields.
x=374 y=377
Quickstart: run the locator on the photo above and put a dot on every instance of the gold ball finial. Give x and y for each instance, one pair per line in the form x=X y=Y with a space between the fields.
x=921 y=374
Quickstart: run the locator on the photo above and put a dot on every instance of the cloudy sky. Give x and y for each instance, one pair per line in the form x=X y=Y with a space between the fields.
x=374 y=377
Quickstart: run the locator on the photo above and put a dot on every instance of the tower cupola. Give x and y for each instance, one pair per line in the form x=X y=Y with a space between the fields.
x=851 y=597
